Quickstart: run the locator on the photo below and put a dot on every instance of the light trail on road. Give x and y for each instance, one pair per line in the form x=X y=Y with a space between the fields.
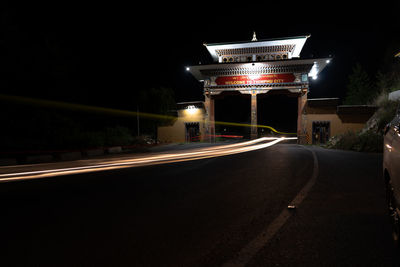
x=173 y=157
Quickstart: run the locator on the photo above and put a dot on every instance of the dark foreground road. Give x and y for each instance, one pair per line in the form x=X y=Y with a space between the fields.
x=205 y=213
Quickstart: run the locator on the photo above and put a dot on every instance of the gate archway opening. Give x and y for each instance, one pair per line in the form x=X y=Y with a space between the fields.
x=278 y=110
x=230 y=107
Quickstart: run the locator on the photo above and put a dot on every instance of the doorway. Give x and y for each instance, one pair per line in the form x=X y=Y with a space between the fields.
x=192 y=132
x=320 y=132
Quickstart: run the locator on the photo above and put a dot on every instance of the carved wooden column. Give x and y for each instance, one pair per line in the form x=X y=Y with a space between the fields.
x=253 y=132
x=210 y=118
x=253 y=114
x=301 y=123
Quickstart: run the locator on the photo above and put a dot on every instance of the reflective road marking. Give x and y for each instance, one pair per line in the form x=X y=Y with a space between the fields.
x=251 y=249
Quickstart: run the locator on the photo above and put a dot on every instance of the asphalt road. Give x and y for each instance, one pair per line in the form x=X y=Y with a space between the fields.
x=205 y=213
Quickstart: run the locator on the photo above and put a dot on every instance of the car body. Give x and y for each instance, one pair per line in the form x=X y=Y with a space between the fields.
x=391 y=172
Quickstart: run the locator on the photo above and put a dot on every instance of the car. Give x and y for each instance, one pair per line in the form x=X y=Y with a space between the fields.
x=391 y=172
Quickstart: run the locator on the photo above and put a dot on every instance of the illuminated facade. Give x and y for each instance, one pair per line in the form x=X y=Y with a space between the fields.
x=324 y=118
x=258 y=67
x=188 y=127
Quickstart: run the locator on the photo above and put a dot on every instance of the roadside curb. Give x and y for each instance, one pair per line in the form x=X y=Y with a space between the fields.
x=8 y=161
x=34 y=157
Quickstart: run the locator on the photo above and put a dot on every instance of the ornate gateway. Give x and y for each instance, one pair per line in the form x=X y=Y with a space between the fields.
x=256 y=67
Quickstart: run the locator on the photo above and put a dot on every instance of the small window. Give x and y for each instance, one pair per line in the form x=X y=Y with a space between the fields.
x=278 y=57
x=249 y=59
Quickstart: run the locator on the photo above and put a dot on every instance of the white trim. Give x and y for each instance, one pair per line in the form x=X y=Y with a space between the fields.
x=298 y=43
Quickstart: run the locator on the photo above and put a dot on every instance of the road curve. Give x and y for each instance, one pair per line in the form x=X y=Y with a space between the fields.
x=204 y=213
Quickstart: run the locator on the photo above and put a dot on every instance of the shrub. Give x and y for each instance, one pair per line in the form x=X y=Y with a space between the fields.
x=93 y=139
x=118 y=136
x=386 y=112
x=344 y=141
x=368 y=141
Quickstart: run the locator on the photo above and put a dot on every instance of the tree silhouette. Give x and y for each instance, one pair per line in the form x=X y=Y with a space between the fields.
x=360 y=89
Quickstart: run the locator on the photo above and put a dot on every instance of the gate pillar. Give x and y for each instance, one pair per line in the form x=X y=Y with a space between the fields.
x=210 y=118
x=301 y=122
x=253 y=132
x=253 y=114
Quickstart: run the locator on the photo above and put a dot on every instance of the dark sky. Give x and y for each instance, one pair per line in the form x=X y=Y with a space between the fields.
x=103 y=53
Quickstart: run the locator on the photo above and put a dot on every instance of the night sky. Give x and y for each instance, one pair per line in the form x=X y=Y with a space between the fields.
x=102 y=54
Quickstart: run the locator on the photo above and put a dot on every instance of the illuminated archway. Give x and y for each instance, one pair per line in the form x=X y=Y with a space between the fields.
x=260 y=66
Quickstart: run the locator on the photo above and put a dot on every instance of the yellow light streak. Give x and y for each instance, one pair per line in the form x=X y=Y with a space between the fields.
x=117 y=112
x=174 y=157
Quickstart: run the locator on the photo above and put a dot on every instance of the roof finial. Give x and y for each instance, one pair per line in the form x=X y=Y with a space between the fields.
x=254 y=37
